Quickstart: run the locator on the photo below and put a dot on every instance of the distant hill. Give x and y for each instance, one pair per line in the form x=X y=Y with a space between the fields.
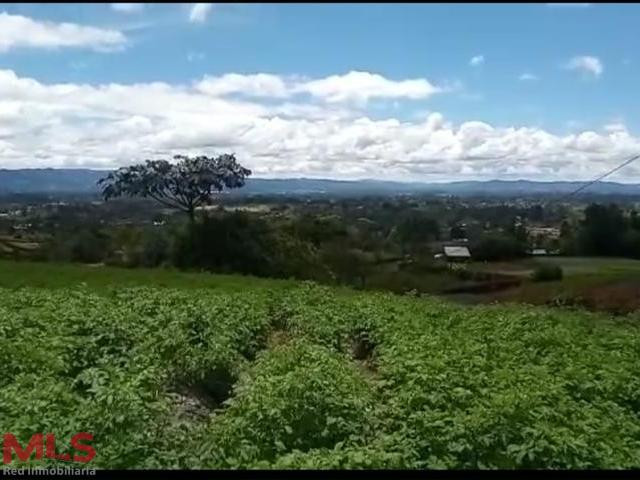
x=77 y=181
x=49 y=180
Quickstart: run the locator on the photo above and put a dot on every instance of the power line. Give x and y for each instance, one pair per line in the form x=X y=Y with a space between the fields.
x=582 y=187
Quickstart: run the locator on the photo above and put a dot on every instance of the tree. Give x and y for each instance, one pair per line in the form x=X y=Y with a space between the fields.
x=536 y=213
x=567 y=241
x=416 y=230
x=457 y=232
x=350 y=266
x=602 y=230
x=547 y=273
x=185 y=185
x=230 y=243
x=519 y=232
x=318 y=230
x=631 y=243
x=494 y=247
x=634 y=220
x=89 y=246
x=242 y=243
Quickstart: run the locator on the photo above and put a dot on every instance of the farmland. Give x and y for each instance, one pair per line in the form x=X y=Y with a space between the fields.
x=213 y=371
x=101 y=279
x=572 y=266
x=602 y=284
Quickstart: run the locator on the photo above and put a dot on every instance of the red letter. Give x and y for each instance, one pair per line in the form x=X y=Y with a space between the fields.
x=10 y=442
x=51 y=445
x=51 y=449
x=91 y=452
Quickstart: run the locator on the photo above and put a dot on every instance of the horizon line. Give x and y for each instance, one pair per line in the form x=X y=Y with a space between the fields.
x=345 y=180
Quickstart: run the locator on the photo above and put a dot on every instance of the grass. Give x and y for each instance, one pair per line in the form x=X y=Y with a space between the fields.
x=15 y=274
x=606 y=284
x=595 y=283
x=594 y=265
x=571 y=266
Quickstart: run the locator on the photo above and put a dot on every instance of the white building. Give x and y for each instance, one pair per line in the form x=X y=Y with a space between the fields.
x=456 y=253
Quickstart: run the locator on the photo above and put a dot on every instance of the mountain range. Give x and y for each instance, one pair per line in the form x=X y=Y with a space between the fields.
x=83 y=181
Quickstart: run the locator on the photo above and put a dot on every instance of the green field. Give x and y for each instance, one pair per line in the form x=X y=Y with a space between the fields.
x=236 y=372
x=571 y=266
x=596 y=283
x=98 y=278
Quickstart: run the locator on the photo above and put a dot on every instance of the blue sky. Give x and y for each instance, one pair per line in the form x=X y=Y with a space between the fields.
x=552 y=85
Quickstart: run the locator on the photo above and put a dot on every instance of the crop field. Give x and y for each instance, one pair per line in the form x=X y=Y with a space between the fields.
x=594 y=265
x=301 y=376
x=609 y=285
x=11 y=245
x=571 y=266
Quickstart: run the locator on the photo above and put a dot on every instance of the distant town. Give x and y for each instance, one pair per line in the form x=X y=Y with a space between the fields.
x=472 y=248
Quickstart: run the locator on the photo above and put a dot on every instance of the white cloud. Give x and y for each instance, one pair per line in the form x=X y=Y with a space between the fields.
x=128 y=7
x=476 y=61
x=17 y=31
x=587 y=65
x=528 y=77
x=199 y=12
x=257 y=85
x=359 y=87
x=353 y=87
x=277 y=132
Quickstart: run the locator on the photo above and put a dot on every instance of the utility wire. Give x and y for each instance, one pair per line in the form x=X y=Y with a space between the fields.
x=582 y=187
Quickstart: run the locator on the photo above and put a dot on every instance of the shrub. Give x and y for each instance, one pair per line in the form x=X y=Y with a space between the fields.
x=547 y=273
x=240 y=243
x=228 y=243
x=497 y=247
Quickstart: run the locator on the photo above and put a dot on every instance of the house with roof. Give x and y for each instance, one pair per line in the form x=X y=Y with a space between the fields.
x=454 y=253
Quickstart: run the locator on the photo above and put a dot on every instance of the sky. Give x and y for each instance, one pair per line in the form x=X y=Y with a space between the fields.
x=413 y=92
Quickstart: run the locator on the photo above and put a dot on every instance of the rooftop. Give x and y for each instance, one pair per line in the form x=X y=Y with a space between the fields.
x=456 y=251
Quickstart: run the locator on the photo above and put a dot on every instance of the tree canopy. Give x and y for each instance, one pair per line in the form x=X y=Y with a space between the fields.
x=188 y=183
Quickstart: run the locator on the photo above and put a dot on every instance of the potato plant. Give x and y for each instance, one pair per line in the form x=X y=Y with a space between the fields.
x=309 y=377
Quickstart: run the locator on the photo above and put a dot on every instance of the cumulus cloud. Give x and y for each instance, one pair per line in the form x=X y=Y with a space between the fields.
x=587 y=65
x=359 y=87
x=17 y=31
x=257 y=85
x=199 y=12
x=353 y=87
x=127 y=7
x=476 y=61
x=109 y=125
x=528 y=77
